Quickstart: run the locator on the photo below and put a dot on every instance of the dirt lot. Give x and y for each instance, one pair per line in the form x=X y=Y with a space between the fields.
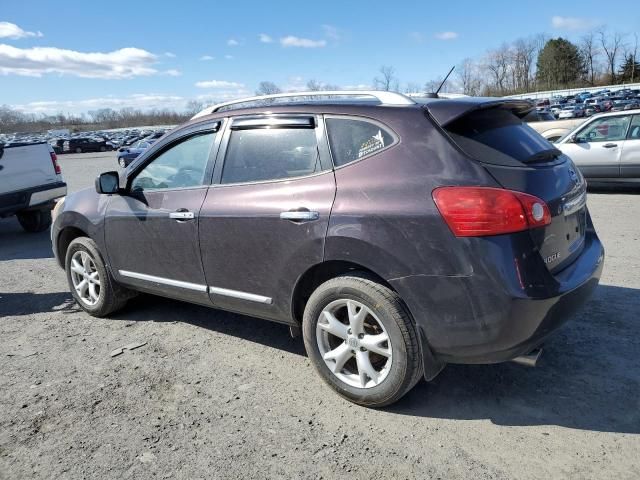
x=217 y=395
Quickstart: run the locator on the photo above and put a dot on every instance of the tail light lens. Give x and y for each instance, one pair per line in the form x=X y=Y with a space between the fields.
x=484 y=211
x=54 y=160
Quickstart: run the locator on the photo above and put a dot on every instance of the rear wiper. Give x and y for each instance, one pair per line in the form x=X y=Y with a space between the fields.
x=544 y=156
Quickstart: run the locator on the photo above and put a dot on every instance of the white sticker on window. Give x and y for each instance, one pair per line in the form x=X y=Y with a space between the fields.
x=373 y=144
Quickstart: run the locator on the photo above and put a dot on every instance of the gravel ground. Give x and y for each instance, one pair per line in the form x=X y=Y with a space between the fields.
x=218 y=395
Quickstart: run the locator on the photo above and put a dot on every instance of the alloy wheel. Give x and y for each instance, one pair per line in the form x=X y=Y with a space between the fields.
x=85 y=277
x=354 y=343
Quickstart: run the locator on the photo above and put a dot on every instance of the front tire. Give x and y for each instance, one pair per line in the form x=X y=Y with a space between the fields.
x=361 y=339
x=35 y=221
x=90 y=283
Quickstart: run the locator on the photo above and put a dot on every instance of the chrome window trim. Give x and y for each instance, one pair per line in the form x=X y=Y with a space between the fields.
x=164 y=281
x=252 y=297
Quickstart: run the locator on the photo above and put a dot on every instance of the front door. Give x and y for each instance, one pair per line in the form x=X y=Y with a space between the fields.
x=630 y=158
x=264 y=223
x=151 y=230
x=598 y=146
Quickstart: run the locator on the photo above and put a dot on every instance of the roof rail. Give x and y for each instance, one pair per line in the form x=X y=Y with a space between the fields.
x=384 y=97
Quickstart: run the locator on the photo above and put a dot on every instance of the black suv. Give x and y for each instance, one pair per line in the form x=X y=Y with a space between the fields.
x=81 y=145
x=397 y=234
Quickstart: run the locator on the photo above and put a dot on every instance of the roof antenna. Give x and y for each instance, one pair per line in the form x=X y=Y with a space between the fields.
x=435 y=94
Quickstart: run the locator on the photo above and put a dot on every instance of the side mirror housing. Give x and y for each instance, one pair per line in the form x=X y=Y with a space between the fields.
x=576 y=139
x=107 y=183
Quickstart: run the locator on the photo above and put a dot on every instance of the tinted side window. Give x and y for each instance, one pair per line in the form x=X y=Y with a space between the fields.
x=260 y=154
x=354 y=139
x=634 y=131
x=183 y=165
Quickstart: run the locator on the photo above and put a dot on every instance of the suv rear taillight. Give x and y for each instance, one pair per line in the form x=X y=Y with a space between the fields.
x=483 y=211
x=54 y=160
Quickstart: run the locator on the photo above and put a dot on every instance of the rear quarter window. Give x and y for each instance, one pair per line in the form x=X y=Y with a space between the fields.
x=354 y=139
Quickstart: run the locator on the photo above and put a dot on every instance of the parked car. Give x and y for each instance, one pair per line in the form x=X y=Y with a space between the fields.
x=85 y=144
x=127 y=155
x=468 y=241
x=606 y=148
x=30 y=182
x=539 y=116
x=571 y=111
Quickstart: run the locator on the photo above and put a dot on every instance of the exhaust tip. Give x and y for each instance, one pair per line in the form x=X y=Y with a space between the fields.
x=530 y=359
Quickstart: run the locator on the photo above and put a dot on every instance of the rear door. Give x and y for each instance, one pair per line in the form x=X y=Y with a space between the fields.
x=151 y=230
x=264 y=223
x=630 y=158
x=597 y=147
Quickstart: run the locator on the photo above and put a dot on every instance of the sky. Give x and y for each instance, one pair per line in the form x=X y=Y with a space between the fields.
x=72 y=57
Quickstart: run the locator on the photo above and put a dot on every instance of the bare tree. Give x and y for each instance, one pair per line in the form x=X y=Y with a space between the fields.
x=498 y=64
x=469 y=77
x=316 y=86
x=590 y=53
x=387 y=79
x=611 y=45
x=194 y=106
x=268 y=88
x=412 y=87
x=524 y=55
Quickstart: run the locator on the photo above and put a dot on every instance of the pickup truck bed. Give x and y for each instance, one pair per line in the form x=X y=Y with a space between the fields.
x=555 y=129
x=30 y=182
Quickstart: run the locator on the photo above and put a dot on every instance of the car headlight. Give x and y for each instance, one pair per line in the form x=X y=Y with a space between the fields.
x=57 y=209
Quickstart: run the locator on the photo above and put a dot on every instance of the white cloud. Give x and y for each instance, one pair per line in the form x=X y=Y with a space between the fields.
x=170 y=54
x=37 y=61
x=229 y=57
x=572 y=23
x=172 y=72
x=232 y=42
x=291 y=41
x=218 y=84
x=331 y=32
x=264 y=38
x=207 y=58
x=446 y=35
x=11 y=30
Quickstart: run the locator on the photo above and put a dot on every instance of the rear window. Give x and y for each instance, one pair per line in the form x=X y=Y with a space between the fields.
x=498 y=136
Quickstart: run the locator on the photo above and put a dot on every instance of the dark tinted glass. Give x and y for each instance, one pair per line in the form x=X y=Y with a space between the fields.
x=354 y=139
x=493 y=134
x=270 y=154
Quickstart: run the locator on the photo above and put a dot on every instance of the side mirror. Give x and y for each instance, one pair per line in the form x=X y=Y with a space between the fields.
x=108 y=182
x=576 y=139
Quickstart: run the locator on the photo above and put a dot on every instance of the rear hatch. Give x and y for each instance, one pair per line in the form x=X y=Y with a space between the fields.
x=520 y=159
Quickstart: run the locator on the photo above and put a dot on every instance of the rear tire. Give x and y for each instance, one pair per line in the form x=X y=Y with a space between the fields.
x=35 y=221
x=374 y=334
x=99 y=295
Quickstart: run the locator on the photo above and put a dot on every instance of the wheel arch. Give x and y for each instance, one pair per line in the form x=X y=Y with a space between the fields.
x=320 y=273
x=65 y=237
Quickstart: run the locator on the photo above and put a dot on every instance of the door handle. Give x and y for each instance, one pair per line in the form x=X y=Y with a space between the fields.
x=182 y=214
x=299 y=215
x=610 y=145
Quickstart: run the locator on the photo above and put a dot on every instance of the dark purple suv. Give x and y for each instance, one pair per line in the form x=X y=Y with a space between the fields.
x=398 y=234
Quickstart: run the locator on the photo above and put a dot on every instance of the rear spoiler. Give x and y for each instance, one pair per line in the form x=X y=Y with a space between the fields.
x=446 y=111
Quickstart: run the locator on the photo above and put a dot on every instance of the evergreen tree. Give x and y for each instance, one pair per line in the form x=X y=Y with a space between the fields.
x=559 y=64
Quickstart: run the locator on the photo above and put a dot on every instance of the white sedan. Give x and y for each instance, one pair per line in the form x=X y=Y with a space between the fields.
x=606 y=148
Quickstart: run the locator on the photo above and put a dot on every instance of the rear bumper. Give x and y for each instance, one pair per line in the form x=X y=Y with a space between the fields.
x=489 y=317
x=31 y=198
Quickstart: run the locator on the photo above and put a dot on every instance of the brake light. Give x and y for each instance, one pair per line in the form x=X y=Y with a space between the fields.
x=484 y=211
x=54 y=160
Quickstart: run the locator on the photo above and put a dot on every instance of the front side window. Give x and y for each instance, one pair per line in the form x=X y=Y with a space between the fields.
x=261 y=154
x=352 y=140
x=605 y=129
x=181 y=166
